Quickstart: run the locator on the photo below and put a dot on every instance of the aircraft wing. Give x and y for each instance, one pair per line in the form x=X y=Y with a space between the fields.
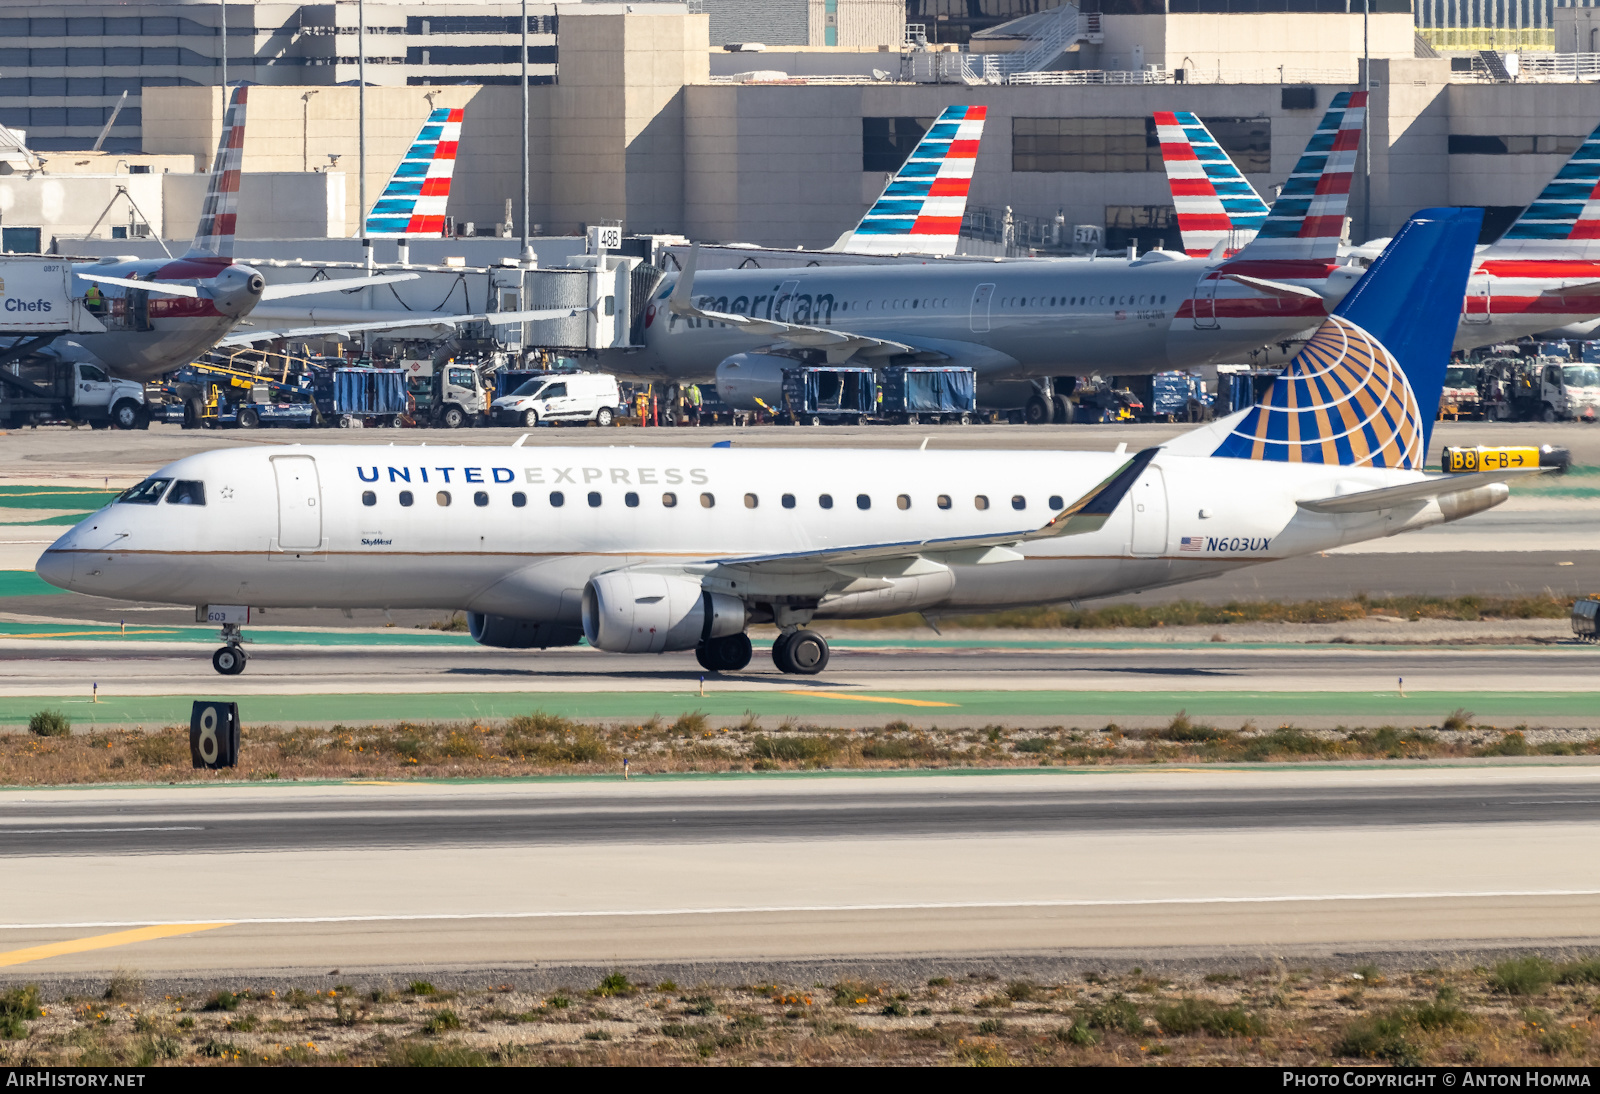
x=422 y=319
x=1370 y=501
x=821 y=571
x=838 y=345
x=345 y=284
x=1585 y=287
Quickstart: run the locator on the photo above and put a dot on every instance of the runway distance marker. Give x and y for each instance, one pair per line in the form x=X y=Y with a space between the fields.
x=872 y=699
x=784 y=909
x=103 y=941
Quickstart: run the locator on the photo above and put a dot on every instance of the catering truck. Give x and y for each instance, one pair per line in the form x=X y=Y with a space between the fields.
x=37 y=306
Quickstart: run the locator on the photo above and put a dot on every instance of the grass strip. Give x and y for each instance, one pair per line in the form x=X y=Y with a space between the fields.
x=546 y=743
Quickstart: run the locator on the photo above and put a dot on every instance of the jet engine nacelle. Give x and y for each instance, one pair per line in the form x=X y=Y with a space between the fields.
x=236 y=290
x=506 y=633
x=746 y=377
x=627 y=612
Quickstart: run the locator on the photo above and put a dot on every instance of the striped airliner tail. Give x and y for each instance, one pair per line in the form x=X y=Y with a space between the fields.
x=1307 y=220
x=1564 y=219
x=1214 y=201
x=920 y=210
x=413 y=203
x=213 y=237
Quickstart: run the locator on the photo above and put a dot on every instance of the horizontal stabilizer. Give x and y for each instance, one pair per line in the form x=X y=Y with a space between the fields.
x=161 y=287
x=1275 y=288
x=1371 y=501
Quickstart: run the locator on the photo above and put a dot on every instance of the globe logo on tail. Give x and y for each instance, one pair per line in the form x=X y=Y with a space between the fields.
x=1344 y=399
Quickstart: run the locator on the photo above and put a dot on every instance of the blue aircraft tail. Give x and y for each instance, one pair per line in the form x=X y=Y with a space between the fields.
x=1365 y=389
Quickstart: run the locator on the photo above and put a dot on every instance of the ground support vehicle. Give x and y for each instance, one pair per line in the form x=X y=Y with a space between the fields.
x=1100 y=401
x=1179 y=397
x=1543 y=389
x=1238 y=388
x=1586 y=619
x=562 y=397
x=449 y=396
x=35 y=390
x=833 y=393
x=1462 y=397
x=915 y=393
x=362 y=396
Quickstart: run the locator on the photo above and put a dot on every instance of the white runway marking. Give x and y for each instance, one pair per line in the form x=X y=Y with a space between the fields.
x=778 y=909
x=70 y=831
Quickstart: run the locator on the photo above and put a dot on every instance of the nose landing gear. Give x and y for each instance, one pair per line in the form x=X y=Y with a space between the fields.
x=230 y=659
x=801 y=652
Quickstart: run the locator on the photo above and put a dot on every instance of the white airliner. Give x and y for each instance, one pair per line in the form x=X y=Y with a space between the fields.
x=645 y=550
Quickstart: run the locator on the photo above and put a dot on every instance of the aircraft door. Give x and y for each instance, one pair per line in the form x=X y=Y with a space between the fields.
x=981 y=296
x=299 y=503
x=1205 y=303
x=1480 y=300
x=1149 y=500
x=783 y=302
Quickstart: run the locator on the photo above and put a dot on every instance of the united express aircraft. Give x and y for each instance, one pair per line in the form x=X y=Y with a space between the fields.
x=660 y=549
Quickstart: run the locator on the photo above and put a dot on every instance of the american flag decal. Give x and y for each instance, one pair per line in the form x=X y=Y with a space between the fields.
x=1191 y=543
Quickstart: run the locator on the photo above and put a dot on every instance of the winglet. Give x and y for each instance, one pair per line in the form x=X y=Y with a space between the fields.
x=682 y=299
x=1090 y=512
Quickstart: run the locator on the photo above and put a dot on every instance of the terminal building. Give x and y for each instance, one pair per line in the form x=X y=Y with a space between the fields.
x=641 y=117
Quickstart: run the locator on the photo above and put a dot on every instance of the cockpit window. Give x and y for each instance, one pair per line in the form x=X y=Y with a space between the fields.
x=187 y=492
x=147 y=492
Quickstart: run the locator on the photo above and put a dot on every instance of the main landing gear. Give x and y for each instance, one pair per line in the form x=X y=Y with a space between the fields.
x=802 y=652
x=230 y=659
x=727 y=654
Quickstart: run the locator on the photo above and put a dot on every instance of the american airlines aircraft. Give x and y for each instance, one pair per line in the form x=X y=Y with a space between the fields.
x=1542 y=275
x=160 y=314
x=660 y=549
x=1013 y=320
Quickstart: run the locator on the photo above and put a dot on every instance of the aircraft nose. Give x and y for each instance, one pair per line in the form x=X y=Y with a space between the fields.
x=56 y=568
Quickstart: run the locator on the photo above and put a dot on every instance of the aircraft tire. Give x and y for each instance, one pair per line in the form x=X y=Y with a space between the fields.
x=806 y=653
x=780 y=646
x=1037 y=412
x=1063 y=410
x=228 y=660
x=727 y=654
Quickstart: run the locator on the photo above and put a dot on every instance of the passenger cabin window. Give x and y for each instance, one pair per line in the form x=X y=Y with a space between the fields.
x=751 y=501
x=631 y=500
x=825 y=500
x=557 y=499
x=944 y=501
x=863 y=501
x=443 y=497
x=518 y=500
x=788 y=501
x=147 y=492
x=707 y=501
x=187 y=492
x=669 y=501
x=1056 y=503
x=405 y=498
x=981 y=502
x=1018 y=501
x=480 y=498
x=903 y=501
x=594 y=499
x=368 y=498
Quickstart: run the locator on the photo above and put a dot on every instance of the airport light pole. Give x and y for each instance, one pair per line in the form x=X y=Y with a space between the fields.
x=527 y=247
x=1366 y=130
x=361 y=135
x=223 y=6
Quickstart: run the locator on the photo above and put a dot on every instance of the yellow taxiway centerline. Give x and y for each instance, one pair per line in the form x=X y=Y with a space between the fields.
x=103 y=941
x=873 y=699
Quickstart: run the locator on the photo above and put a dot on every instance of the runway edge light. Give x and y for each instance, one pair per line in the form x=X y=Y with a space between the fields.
x=214 y=734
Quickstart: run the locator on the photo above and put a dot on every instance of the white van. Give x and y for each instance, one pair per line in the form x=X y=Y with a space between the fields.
x=571 y=397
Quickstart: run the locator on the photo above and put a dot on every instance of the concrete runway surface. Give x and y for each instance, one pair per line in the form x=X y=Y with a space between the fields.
x=290 y=879
x=139 y=669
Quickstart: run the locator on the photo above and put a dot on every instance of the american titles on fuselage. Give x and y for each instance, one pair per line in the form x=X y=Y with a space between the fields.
x=539 y=476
